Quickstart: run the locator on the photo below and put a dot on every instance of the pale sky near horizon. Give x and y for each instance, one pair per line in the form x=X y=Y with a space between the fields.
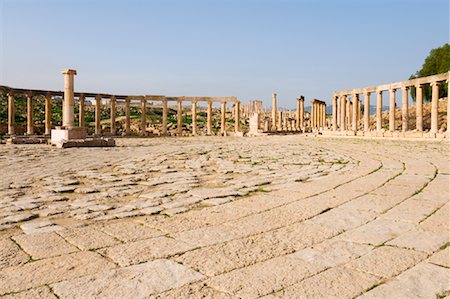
x=245 y=48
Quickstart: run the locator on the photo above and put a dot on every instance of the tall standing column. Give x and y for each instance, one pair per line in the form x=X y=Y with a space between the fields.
x=379 y=109
x=113 y=114
x=127 y=116
x=348 y=114
x=98 y=113
x=69 y=102
x=419 y=108
x=343 y=112
x=81 y=100
x=405 y=114
x=334 y=112
x=180 y=117
x=434 y=107
x=312 y=115
x=274 y=112
x=194 y=117
x=302 y=112
x=448 y=108
x=164 y=117
x=324 y=114
x=355 y=99
x=48 y=113
x=366 y=110
x=143 y=117
x=209 y=118
x=30 y=121
x=297 y=116
x=11 y=112
x=392 y=110
x=223 y=112
x=237 y=117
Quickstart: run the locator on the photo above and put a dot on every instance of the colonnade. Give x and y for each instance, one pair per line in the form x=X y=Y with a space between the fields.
x=114 y=100
x=345 y=119
x=318 y=114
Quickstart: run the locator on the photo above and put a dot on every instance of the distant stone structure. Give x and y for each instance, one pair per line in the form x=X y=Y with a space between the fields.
x=346 y=112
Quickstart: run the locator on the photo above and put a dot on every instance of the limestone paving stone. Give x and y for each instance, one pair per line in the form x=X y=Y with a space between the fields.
x=421 y=240
x=386 y=261
x=11 y=254
x=44 y=245
x=127 y=231
x=441 y=258
x=138 y=281
x=422 y=281
x=193 y=290
x=145 y=250
x=36 y=293
x=51 y=270
x=88 y=237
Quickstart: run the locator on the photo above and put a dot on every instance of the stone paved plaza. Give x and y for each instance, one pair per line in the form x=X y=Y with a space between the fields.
x=211 y=217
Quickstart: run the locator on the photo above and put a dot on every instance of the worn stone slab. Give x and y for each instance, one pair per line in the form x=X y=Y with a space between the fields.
x=422 y=281
x=44 y=245
x=127 y=231
x=338 y=282
x=386 y=261
x=11 y=254
x=88 y=237
x=51 y=270
x=41 y=227
x=138 y=281
x=145 y=250
x=421 y=240
x=377 y=232
x=441 y=258
x=193 y=290
x=36 y=293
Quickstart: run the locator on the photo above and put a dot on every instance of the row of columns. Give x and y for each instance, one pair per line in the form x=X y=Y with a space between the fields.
x=68 y=120
x=338 y=110
x=318 y=114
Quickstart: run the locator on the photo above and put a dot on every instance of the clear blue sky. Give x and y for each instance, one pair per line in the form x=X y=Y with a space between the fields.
x=246 y=48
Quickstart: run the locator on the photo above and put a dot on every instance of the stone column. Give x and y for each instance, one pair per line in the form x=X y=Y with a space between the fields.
x=98 y=114
x=379 y=109
x=279 y=120
x=113 y=114
x=405 y=114
x=143 y=117
x=324 y=115
x=334 y=112
x=297 y=116
x=348 y=114
x=302 y=112
x=237 y=117
x=419 y=108
x=274 y=112
x=11 y=112
x=448 y=108
x=338 y=111
x=180 y=117
x=127 y=116
x=223 y=113
x=366 y=110
x=68 y=103
x=48 y=114
x=434 y=107
x=30 y=121
x=194 y=117
x=312 y=115
x=343 y=112
x=392 y=110
x=81 y=100
x=355 y=99
x=164 y=117
x=209 y=118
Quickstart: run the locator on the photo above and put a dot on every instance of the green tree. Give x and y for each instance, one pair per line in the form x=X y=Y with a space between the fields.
x=437 y=62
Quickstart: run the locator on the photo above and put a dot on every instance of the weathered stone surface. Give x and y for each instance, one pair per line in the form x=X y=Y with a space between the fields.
x=47 y=271
x=421 y=240
x=441 y=258
x=11 y=254
x=338 y=282
x=88 y=237
x=138 y=281
x=386 y=261
x=40 y=227
x=145 y=250
x=127 y=231
x=44 y=245
x=37 y=293
x=423 y=281
x=194 y=290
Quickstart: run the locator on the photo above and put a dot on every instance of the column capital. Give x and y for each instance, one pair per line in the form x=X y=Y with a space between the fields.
x=366 y=92
x=98 y=97
x=69 y=72
x=113 y=98
x=405 y=87
x=48 y=95
x=11 y=92
x=437 y=83
x=418 y=85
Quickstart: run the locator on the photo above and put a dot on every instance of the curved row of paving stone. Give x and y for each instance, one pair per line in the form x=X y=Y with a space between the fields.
x=344 y=234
